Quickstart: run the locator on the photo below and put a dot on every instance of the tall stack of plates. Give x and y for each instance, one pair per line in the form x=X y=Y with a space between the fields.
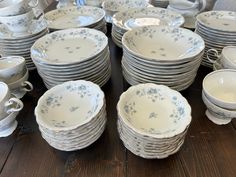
x=76 y=17
x=72 y=54
x=153 y=120
x=72 y=115
x=19 y=44
x=161 y=55
x=160 y=3
x=126 y=20
x=218 y=29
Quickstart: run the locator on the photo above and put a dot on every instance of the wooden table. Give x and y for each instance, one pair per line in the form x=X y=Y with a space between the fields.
x=209 y=150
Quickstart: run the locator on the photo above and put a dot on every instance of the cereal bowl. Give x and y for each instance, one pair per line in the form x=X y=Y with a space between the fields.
x=219 y=86
x=70 y=105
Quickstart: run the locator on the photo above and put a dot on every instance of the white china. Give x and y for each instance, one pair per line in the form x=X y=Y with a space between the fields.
x=219 y=87
x=21 y=86
x=161 y=55
x=124 y=21
x=72 y=115
x=218 y=30
x=84 y=54
x=160 y=3
x=11 y=68
x=7 y=103
x=217 y=114
x=74 y=17
x=15 y=7
x=96 y=3
x=113 y=6
x=149 y=132
x=8 y=124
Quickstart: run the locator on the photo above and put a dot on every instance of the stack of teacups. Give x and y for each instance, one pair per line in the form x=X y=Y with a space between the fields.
x=226 y=60
x=153 y=120
x=9 y=108
x=20 y=26
x=219 y=96
x=13 y=72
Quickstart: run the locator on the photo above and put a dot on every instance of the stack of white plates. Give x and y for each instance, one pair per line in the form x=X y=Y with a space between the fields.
x=76 y=17
x=124 y=21
x=153 y=120
x=218 y=29
x=72 y=115
x=113 y=6
x=161 y=55
x=19 y=44
x=160 y=3
x=72 y=54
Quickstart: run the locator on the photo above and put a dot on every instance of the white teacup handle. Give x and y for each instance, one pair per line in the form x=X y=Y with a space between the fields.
x=33 y=5
x=27 y=86
x=16 y=102
x=215 y=53
x=39 y=14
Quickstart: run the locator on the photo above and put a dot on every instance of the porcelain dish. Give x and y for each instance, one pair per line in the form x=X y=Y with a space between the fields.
x=76 y=17
x=84 y=54
x=126 y=20
x=160 y=3
x=150 y=132
x=72 y=115
x=173 y=60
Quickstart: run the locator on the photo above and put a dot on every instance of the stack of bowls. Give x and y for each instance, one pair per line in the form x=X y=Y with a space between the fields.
x=160 y=3
x=161 y=55
x=153 y=120
x=76 y=17
x=9 y=109
x=219 y=96
x=19 y=29
x=218 y=30
x=72 y=54
x=72 y=115
x=13 y=72
x=126 y=20
x=113 y=6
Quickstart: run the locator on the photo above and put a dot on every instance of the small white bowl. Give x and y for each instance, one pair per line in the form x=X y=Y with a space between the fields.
x=11 y=68
x=154 y=110
x=221 y=116
x=220 y=87
x=70 y=105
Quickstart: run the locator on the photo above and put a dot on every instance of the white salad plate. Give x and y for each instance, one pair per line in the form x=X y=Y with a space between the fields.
x=72 y=115
x=161 y=55
x=72 y=54
x=76 y=17
x=126 y=20
x=218 y=29
x=149 y=132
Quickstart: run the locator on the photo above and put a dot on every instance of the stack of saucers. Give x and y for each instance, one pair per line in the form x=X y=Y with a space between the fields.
x=72 y=115
x=161 y=55
x=160 y=3
x=153 y=120
x=19 y=44
x=72 y=54
x=113 y=6
x=124 y=21
x=76 y=17
x=218 y=30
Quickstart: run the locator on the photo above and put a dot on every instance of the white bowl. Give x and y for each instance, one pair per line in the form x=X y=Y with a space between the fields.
x=11 y=68
x=13 y=7
x=220 y=87
x=67 y=106
x=154 y=110
x=229 y=54
x=221 y=115
x=163 y=43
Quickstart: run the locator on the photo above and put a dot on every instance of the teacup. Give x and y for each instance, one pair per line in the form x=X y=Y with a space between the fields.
x=7 y=103
x=12 y=68
x=18 y=23
x=21 y=86
x=16 y=7
x=227 y=58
